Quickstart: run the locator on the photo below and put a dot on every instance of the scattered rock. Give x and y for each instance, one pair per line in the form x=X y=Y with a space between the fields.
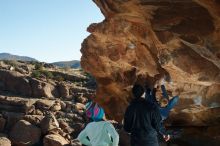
x=81 y=99
x=75 y=142
x=49 y=123
x=43 y=89
x=44 y=104
x=25 y=134
x=12 y=118
x=65 y=127
x=55 y=140
x=80 y=106
x=4 y=141
x=69 y=106
x=63 y=90
x=16 y=104
x=56 y=106
x=63 y=105
x=15 y=82
x=34 y=119
x=78 y=127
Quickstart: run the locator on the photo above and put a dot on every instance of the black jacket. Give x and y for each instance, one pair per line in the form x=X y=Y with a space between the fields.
x=143 y=120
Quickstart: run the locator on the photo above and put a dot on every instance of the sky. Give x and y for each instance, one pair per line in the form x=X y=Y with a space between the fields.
x=47 y=30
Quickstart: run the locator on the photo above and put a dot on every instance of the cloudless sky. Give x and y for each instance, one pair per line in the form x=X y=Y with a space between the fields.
x=47 y=30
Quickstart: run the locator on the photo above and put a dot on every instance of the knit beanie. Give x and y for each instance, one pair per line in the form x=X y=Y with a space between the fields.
x=94 y=111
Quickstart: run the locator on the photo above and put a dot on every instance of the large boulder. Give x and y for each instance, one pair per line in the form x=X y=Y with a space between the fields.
x=12 y=118
x=44 y=104
x=34 y=119
x=55 y=140
x=63 y=90
x=49 y=124
x=25 y=134
x=141 y=41
x=75 y=142
x=15 y=82
x=16 y=104
x=18 y=83
x=43 y=89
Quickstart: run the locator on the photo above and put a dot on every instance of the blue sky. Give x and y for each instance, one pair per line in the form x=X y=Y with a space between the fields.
x=48 y=30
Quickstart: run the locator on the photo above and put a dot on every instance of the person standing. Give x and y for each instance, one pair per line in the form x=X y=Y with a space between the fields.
x=143 y=121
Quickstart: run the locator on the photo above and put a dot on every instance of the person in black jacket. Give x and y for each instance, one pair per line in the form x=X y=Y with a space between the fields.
x=143 y=121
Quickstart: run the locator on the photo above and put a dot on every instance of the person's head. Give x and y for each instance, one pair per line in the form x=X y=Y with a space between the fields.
x=137 y=90
x=94 y=112
x=163 y=102
x=158 y=95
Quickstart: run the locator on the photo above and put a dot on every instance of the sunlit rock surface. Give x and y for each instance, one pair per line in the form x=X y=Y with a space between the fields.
x=142 y=40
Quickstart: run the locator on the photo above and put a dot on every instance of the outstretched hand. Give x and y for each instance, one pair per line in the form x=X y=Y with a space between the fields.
x=166 y=137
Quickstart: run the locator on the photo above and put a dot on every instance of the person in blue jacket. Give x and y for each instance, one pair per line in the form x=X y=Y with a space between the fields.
x=150 y=95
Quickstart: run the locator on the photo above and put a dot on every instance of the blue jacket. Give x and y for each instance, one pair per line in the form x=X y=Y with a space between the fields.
x=164 y=111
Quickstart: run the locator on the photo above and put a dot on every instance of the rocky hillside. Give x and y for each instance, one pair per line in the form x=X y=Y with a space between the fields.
x=63 y=64
x=7 y=56
x=69 y=64
x=41 y=104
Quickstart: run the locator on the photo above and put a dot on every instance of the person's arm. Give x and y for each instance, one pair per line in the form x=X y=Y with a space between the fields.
x=82 y=137
x=128 y=120
x=111 y=130
x=164 y=92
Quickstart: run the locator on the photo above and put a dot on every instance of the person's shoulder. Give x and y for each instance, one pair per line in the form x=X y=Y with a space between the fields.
x=107 y=124
x=154 y=107
x=89 y=124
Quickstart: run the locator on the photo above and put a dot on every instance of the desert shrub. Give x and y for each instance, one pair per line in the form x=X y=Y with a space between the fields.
x=38 y=66
x=11 y=63
x=40 y=73
x=66 y=68
x=59 y=78
x=48 y=74
x=36 y=74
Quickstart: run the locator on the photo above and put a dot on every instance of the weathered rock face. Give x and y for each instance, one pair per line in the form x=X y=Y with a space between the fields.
x=141 y=41
x=15 y=82
x=37 y=108
x=49 y=83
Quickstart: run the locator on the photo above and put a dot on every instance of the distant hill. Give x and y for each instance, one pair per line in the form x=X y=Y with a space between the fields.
x=71 y=64
x=7 y=56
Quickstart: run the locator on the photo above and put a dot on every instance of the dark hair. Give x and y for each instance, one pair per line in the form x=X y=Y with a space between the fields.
x=137 y=90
